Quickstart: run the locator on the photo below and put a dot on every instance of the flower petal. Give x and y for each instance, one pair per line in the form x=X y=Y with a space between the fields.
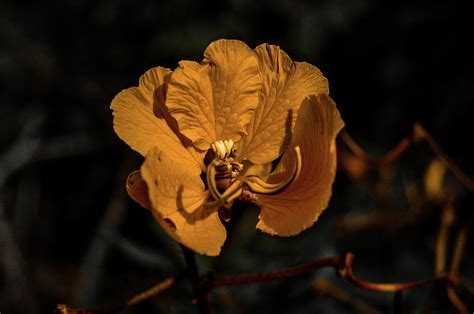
x=137 y=125
x=177 y=196
x=285 y=85
x=137 y=189
x=215 y=100
x=300 y=205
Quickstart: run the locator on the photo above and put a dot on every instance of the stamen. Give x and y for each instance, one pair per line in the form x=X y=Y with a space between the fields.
x=211 y=180
x=226 y=198
x=256 y=185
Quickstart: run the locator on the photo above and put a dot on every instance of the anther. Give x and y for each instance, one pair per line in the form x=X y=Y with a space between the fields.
x=224 y=149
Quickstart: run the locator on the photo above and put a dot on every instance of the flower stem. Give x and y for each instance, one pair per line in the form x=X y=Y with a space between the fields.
x=200 y=290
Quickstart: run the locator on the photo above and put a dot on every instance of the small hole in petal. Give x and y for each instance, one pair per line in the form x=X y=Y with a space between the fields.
x=170 y=223
x=156 y=182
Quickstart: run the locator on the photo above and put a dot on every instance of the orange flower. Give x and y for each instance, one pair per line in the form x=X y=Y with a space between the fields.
x=211 y=131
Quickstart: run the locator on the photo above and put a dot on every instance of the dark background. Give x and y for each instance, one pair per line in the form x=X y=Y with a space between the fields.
x=68 y=232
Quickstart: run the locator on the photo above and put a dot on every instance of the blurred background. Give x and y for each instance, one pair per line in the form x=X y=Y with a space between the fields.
x=70 y=234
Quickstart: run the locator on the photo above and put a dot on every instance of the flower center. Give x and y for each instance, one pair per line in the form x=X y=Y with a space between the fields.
x=226 y=184
x=225 y=167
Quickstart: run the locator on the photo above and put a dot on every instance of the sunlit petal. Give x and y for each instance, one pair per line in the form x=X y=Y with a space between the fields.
x=285 y=85
x=137 y=125
x=215 y=100
x=300 y=205
x=177 y=196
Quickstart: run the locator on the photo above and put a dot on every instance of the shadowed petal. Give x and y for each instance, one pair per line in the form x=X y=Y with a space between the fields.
x=177 y=196
x=215 y=100
x=300 y=205
x=137 y=125
x=285 y=85
x=137 y=189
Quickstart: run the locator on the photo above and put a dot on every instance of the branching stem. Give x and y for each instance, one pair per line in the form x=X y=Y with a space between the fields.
x=149 y=293
x=202 y=285
x=418 y=134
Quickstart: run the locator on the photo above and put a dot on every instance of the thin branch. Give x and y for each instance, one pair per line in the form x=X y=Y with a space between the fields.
x=145 y=295
x=418 y=134
x=447 y=220
x=335 y=262
x=459 y=249
x=454 y=267
x=323 y=287
x=390 y=157
x=342 y=264
x=202 y=285
x=456 y=301
x=390 y=287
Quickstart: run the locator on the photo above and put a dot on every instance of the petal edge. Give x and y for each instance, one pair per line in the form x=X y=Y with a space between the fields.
x=299 y=206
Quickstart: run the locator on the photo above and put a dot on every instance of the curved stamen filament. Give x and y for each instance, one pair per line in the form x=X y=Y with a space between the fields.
x=211 y=180
x=230 y=194
x=256 y=185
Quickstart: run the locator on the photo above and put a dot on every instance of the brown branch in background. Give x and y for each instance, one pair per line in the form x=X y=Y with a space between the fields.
x=389 y=287
x=454 y=267
x=358 y=168
x=391 y=156
x=335 y=262
x=459 y=249
x=447 y=220
x=418 y=134
x=342 y=264
x=456 y=301
x=202 y=285
x=323 y=287
x=147 y=294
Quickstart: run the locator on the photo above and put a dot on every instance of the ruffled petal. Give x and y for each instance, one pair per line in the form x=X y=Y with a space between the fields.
x=285 y=85
x=300 y=205
x=177 y=196
x=137 y=125
x=215 y=100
